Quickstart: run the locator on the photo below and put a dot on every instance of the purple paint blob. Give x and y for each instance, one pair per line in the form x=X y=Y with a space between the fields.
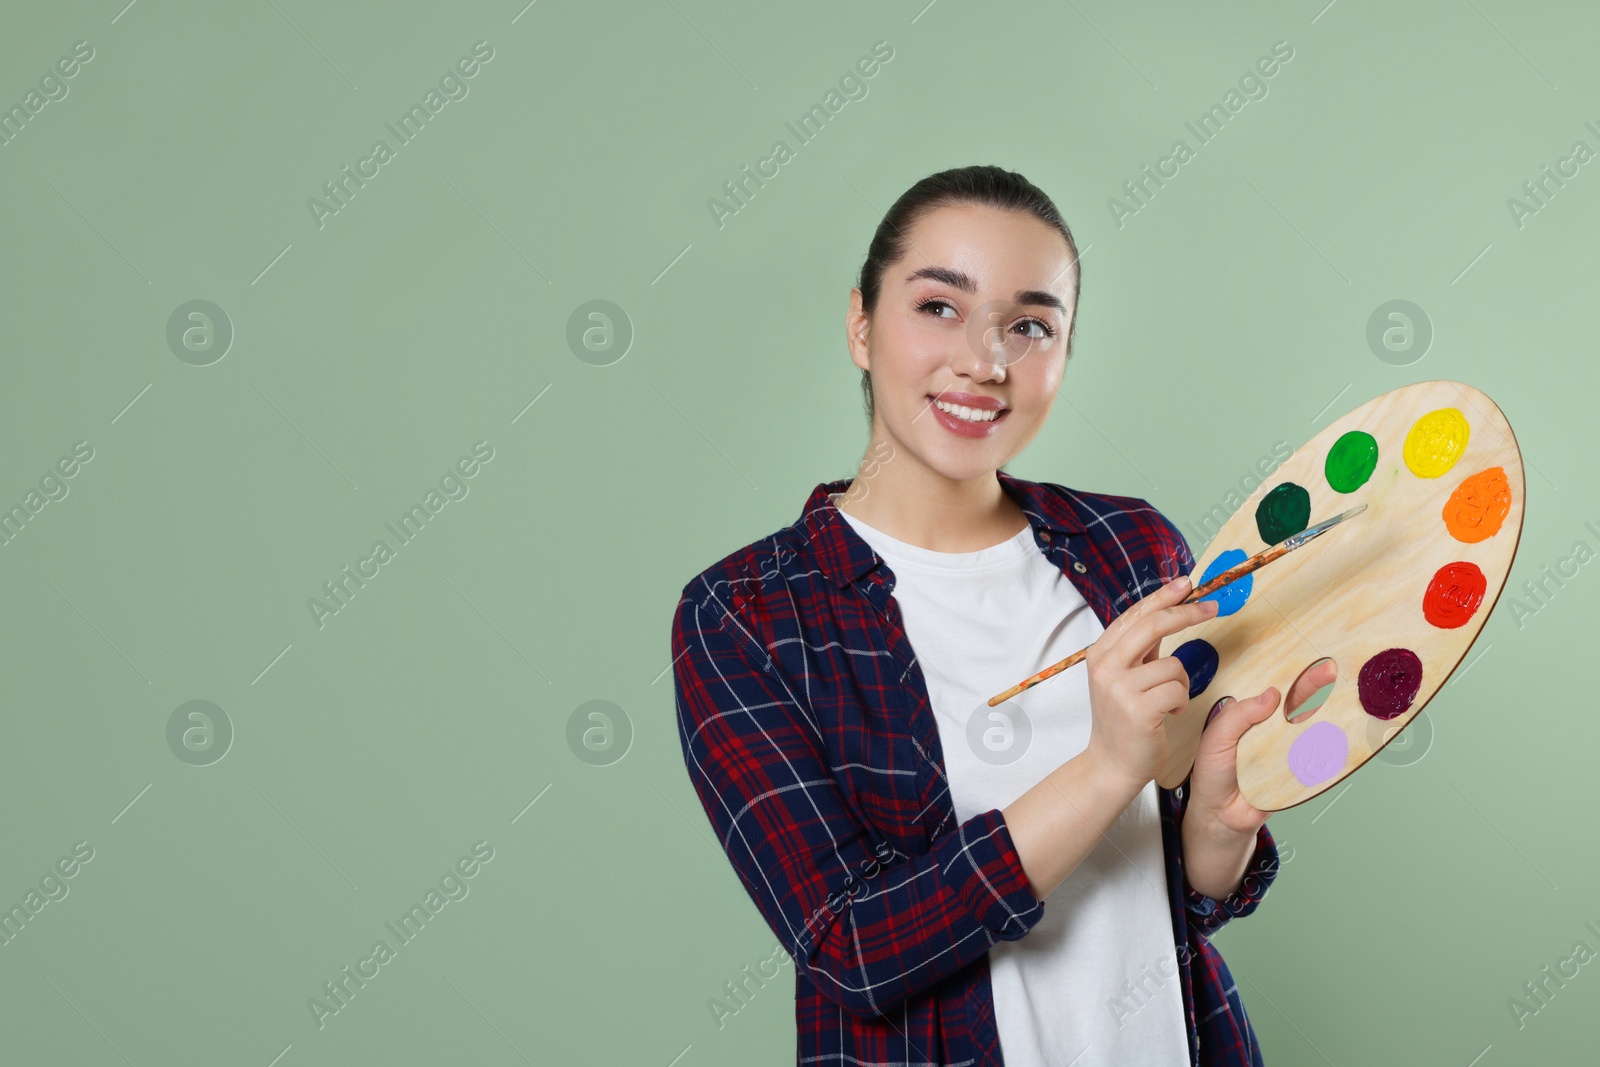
x=1319 y=753
x=1389 y=681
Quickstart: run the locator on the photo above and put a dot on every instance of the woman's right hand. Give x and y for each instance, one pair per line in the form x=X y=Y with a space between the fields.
x=1132 y=688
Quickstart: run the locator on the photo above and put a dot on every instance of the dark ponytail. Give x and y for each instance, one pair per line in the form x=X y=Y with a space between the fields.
x=986 y=185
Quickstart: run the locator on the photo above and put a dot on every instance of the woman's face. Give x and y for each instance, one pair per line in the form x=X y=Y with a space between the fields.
x=975 y=315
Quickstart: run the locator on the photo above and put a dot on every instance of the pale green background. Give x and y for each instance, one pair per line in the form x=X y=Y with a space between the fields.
x=1228 y=314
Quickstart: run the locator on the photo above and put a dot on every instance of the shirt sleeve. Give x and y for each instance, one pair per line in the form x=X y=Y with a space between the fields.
x=1209 y=915
x=869 y=928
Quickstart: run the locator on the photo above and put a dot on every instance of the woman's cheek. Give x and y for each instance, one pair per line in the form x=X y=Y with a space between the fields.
x=1049 y=367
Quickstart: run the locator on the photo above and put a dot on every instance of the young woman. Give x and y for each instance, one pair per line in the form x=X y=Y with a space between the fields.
x=954 y=883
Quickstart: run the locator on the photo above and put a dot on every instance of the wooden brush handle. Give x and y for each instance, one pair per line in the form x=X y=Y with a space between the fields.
x=1232 y=574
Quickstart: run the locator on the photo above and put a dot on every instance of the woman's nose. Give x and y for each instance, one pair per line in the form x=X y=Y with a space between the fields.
x=987 y=342
x=983 y=361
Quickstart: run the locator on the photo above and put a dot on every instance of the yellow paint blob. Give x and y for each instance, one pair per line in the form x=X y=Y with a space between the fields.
x=1435 y=442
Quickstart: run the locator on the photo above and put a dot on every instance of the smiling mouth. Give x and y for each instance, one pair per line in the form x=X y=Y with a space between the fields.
x=977 y=416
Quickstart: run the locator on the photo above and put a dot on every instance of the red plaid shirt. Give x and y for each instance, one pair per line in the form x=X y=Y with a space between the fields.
x=809 y=738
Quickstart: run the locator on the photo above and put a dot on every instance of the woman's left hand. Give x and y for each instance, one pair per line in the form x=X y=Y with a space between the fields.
x=1214 y=797
x=1214 y=782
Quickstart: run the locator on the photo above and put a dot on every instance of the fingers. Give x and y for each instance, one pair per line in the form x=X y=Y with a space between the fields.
x=1154 y=690
x=1162 y=669
x=1249 y=711
x=1144 y=633
x=1168 y=698
x=1167 y=595
x=1319 y=674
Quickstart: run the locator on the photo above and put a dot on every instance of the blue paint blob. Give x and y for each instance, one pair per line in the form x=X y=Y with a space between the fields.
x=1200 y=660
x=1231 y=597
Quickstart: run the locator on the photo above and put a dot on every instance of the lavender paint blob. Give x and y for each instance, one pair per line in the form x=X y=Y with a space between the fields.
x=1319 y=753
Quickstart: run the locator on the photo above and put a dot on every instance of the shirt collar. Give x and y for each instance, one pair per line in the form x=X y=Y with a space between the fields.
x=844 y=556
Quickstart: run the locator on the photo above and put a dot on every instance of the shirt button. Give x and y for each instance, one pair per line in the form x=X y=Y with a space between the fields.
x=1078 y=566
x=1044 y=535
x=1178 y=792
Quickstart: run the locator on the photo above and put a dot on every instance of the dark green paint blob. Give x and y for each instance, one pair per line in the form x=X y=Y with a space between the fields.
x=1284 y=511
x=1351 y=461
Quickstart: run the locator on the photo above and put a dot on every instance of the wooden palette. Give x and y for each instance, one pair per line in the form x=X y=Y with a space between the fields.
x=1395 y=595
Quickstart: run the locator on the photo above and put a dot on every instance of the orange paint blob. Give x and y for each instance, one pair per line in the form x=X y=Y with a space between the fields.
x=1478 y=506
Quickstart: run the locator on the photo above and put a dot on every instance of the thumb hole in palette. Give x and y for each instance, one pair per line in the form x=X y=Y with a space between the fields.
x=1311 y=689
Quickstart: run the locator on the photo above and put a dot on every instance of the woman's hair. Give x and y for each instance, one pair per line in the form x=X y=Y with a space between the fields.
x=991 y=186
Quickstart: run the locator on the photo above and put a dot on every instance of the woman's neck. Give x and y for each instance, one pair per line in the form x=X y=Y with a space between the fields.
x=913 y=504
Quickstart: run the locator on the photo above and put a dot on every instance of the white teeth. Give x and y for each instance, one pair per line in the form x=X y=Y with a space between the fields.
x=967 y=414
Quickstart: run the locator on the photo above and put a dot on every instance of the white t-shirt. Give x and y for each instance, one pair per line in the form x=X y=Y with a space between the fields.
x=1095 y=981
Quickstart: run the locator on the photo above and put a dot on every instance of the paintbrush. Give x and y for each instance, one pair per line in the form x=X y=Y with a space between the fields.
x=1232 y=574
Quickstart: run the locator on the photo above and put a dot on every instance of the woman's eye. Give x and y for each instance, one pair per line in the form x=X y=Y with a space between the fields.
x=926 y=304
x=1044 y=331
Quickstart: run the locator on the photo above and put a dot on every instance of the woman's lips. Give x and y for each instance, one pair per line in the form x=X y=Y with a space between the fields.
x=962 y=428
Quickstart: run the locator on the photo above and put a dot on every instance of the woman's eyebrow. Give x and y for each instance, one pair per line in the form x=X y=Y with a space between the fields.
x=963 y=281
x=1040 y=298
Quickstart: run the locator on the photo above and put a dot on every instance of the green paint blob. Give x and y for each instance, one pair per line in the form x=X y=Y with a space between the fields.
x=1351 y=461
x=1284 y=511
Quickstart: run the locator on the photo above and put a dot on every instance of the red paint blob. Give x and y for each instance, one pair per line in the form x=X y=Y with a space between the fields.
x=1389 y=681
x=1454 y=595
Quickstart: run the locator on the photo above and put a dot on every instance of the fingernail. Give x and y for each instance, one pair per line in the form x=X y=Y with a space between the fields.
x=1181 y=581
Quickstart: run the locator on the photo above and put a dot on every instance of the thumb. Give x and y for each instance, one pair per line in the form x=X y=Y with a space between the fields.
x=1233 y=717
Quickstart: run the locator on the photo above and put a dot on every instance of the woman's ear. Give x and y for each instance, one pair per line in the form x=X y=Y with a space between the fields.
x=857 y=328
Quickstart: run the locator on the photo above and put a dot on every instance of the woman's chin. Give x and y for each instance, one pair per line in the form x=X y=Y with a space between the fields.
x=965 y=465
